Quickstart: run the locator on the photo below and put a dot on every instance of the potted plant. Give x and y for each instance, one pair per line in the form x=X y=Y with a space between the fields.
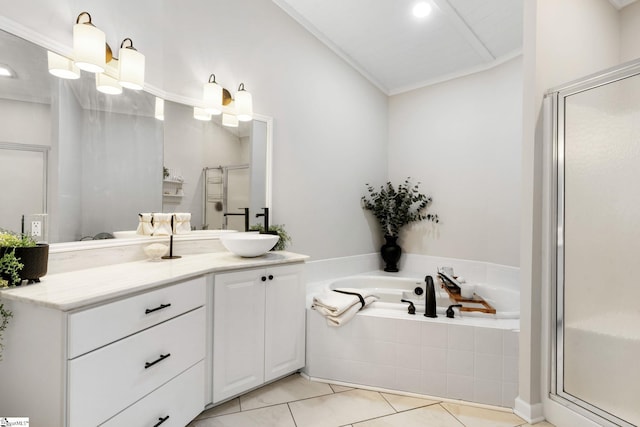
x=278 y=229
x=34 y=257
x=394 y=208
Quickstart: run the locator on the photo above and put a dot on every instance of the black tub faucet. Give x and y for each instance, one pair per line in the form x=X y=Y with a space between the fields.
x=430 y=298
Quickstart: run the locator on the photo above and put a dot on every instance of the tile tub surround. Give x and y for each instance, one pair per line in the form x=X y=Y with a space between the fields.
x=297 y=402
x=447 y=358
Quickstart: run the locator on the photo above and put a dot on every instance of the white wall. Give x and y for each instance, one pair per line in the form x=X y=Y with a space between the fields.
x=330 y=123
x=461 y=140
x=563 y=41
x=630 y=32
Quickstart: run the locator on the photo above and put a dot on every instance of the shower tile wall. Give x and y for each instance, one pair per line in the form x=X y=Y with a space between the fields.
x=436 y=358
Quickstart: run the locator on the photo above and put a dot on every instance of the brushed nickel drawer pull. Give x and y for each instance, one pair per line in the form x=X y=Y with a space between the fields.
x=161 y=420
x=160 y=359
x=160 y=307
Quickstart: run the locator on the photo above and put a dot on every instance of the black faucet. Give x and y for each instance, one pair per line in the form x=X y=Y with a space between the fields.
x=266 y=221
x=246 y=217
x=430 y=298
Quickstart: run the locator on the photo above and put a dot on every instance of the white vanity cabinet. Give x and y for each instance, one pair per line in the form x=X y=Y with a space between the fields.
x=258 y=327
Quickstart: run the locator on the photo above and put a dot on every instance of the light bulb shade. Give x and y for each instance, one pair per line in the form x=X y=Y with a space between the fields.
x=89 y=48
x=107 y=84
x=62 y=67
x=132 y=65
x=212 y=98
x=159 y=114
x=229 y=120
x=201 y=114
x=244 y=105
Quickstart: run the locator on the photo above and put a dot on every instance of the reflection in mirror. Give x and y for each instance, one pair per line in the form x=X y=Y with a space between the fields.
x=213 y=169
x=100 y=158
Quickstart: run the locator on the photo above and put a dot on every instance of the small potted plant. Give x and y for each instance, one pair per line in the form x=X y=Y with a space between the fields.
x=394 y=208
x=278 y=229
x=34 y=257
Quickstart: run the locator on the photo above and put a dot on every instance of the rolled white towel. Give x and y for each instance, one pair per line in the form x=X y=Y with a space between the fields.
x=162 y=224
x=181 y=223
x=339 y=307
x=145 y=227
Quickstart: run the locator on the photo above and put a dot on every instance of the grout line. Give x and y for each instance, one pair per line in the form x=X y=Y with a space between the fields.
x=292 y=417
x=450 y=413
x=389 y=403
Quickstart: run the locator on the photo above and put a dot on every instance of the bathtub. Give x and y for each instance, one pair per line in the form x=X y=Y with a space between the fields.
x=472 y=357
x=391 y=290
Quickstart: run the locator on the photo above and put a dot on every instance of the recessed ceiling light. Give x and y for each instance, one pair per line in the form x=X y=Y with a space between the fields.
x=422 y=9
x=6 y=71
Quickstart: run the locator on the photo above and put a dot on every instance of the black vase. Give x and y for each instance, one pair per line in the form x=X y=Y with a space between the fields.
x=391 y=253
x=35 y=260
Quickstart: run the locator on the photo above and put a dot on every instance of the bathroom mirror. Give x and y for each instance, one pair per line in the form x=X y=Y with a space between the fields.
x=98 y=159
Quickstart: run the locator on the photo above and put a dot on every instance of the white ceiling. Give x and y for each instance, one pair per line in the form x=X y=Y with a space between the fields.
x=399 y=52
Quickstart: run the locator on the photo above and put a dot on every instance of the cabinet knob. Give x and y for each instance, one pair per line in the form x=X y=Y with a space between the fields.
x=263 y=278
x=271 y=277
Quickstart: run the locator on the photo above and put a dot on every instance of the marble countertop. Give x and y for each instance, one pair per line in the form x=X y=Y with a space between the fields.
x=81 y=288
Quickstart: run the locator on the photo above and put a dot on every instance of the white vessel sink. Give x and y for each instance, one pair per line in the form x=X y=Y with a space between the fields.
x=249 y=244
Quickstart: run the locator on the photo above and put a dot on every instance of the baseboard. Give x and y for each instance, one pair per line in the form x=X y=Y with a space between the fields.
x=530 y=413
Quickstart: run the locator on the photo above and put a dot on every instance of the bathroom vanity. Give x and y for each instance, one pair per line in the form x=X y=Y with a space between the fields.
x=150 y=343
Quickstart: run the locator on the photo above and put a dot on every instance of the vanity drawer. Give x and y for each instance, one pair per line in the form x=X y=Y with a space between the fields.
x=105 y=381
x=181 y=399
x=95 y=327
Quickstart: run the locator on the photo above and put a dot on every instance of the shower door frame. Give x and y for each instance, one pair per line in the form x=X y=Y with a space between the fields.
x=558 y=98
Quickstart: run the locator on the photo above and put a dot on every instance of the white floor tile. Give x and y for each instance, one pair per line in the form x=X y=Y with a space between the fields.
x=431 y=416
x=472 y=416
x=404 y=403
x=273 y=416
x=339 y=409
x=288 y=389
x=229 y=407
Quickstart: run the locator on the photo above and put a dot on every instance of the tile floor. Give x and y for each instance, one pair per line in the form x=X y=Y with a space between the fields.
x=297 y=402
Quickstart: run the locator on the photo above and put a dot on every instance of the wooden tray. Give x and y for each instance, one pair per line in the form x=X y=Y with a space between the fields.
x=454 y=293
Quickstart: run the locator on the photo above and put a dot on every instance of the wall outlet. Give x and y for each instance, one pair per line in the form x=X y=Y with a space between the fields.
x=36 y=228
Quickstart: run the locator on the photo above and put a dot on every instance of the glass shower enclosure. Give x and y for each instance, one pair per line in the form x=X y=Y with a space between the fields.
x=596 y=349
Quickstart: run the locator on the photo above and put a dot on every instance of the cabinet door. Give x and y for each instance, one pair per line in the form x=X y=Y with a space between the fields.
x=238 y=332
x=284 y=321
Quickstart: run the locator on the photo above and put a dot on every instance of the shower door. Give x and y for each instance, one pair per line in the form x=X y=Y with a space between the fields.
x=597 y=159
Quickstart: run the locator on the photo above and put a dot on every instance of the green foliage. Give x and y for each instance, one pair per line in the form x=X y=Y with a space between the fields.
x=10 y=267
x=395 y=208
x=9 y=239
x=5 y=315
x=285 y=239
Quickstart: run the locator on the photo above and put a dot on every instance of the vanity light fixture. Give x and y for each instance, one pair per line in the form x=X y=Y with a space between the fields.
x=201 y=114
x=62 y=67
x=90 y=49
x=244 y=104
x=132 y=63
x=212 y=94
x=159 y=113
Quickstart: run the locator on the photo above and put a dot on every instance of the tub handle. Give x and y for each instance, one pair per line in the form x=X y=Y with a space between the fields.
x=450 y=312
x=412 y=308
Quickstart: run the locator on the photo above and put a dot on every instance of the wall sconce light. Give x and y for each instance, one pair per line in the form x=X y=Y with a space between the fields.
x=244 y=104
x=215 y=98
x=159 y=114
x=90 y=50
x=131 y=68
x=62 y=67
x=92 y=53
x=212 y=96
x=201 y=114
